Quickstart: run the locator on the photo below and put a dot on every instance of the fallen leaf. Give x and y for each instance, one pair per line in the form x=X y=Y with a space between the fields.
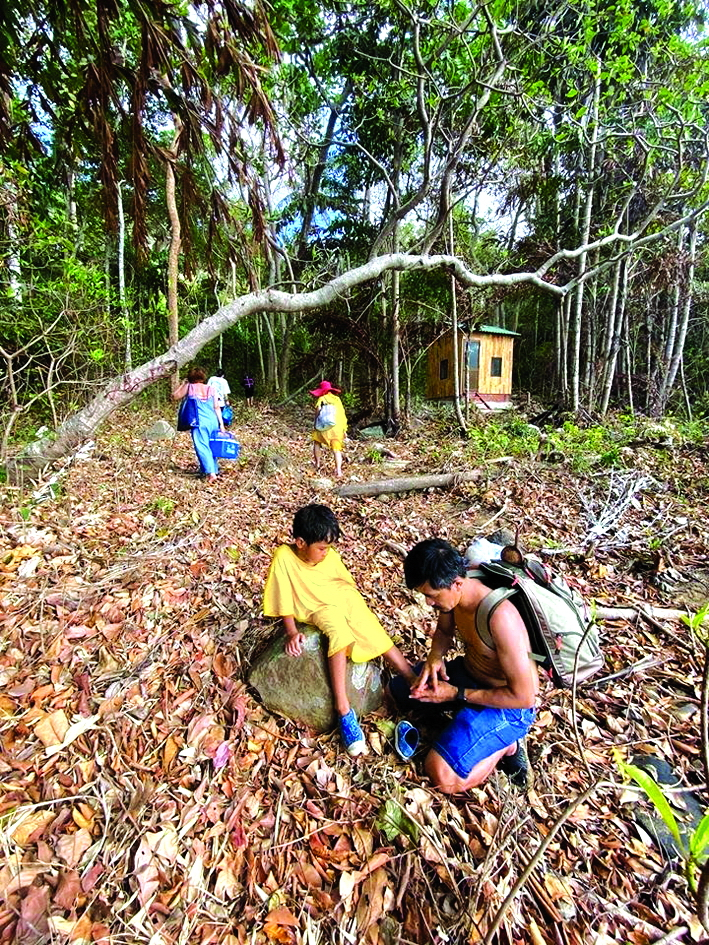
x=71 y=847
x=29 y=824
x=279 y=925
x=52 y=729
x=16 y=877
x=155 y=848
x=227 y=885
x=78 y=931
x=73 y=732
x=33 y=926
x=69 y=890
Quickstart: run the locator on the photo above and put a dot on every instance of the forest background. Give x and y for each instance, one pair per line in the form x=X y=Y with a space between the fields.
x=302 y=191
x=258 y=185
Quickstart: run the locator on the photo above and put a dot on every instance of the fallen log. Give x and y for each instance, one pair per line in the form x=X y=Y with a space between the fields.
x=645 y=611
x=408 y=484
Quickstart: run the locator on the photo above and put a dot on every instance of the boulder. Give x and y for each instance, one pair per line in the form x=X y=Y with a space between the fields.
x=160 y=430
x=298 y=687
x=321 y=484
x=272 y=461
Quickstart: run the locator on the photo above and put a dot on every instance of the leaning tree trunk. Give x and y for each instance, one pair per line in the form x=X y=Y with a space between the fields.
x=121 y=390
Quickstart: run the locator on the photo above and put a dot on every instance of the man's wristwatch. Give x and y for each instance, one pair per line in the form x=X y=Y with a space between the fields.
x=461 y=695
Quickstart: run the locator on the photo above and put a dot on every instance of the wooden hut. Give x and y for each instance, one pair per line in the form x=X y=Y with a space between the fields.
x=484 y=363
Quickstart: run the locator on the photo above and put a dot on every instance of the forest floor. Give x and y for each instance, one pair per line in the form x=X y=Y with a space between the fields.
x=148 y=796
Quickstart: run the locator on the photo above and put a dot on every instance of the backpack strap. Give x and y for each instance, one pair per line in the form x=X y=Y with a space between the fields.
x=486 y=608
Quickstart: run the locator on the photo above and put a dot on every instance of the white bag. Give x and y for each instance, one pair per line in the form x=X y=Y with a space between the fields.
x=326 y=418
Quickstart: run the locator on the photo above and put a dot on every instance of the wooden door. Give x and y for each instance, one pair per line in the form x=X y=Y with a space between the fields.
x=473 y=365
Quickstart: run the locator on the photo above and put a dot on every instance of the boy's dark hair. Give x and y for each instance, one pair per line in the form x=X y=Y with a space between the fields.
x=434 y=562
x=316 y=523
x=220 y=372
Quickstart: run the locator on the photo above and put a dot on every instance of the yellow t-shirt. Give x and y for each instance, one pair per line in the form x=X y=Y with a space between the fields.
x=324 y=595
x=297 y=589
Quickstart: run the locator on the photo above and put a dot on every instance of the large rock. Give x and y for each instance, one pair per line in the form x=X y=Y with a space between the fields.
x=299 y=686
x=160 y=430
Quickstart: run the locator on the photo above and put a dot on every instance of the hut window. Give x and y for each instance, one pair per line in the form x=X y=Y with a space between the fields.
x=495 y=367
x=443 y=370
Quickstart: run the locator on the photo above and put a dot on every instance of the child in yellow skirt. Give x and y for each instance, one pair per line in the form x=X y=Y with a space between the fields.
x=307 y=582
x=330 y=436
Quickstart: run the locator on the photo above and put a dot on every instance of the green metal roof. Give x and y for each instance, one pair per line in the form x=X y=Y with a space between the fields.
x=494 y=330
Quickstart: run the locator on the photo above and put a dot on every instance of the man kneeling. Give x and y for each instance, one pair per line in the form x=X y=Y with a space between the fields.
x=493 y=691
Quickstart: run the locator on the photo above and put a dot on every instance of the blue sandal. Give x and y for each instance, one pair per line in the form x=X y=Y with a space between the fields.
x=406 y=740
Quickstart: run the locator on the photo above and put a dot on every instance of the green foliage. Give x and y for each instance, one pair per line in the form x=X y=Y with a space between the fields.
x=393 y=820
x=696 y=622
x=510 y=436
x=163 y=504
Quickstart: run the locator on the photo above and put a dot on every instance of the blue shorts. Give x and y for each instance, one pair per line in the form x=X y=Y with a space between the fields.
x=477 y=731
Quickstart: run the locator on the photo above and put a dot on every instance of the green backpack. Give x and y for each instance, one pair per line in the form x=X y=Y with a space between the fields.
x=562 y=636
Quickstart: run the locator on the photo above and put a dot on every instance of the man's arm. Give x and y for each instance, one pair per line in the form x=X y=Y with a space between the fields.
x=520 y=671
x=434 y=670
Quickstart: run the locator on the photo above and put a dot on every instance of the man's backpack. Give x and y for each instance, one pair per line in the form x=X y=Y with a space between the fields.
x=563 y=638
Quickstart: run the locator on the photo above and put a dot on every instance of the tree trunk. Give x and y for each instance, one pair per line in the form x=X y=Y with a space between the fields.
x=629 y=362
x=584 y=239
x=456 y=350
x=395 y=342
x=128 y=359
x=259 y=347
x=620 y=318
x=174 y=253
x=680 y=335
x=272 y=362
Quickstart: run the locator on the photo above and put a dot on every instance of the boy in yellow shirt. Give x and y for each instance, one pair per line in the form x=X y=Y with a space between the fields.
x=307 y=582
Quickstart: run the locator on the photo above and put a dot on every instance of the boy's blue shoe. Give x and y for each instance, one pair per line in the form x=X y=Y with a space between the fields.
x=406 y=740
x=352 y=735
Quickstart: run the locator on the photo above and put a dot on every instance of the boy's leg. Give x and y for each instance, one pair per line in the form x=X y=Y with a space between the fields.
x=337 y=666
x=350 y=732
x=396 y=659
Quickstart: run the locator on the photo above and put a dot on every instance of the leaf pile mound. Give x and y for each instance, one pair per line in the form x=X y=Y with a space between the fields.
x=147 y=796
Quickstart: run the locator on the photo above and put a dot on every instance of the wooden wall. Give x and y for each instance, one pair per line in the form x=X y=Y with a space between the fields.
x=494 y=346
x=491 y=346
x=438 y=388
